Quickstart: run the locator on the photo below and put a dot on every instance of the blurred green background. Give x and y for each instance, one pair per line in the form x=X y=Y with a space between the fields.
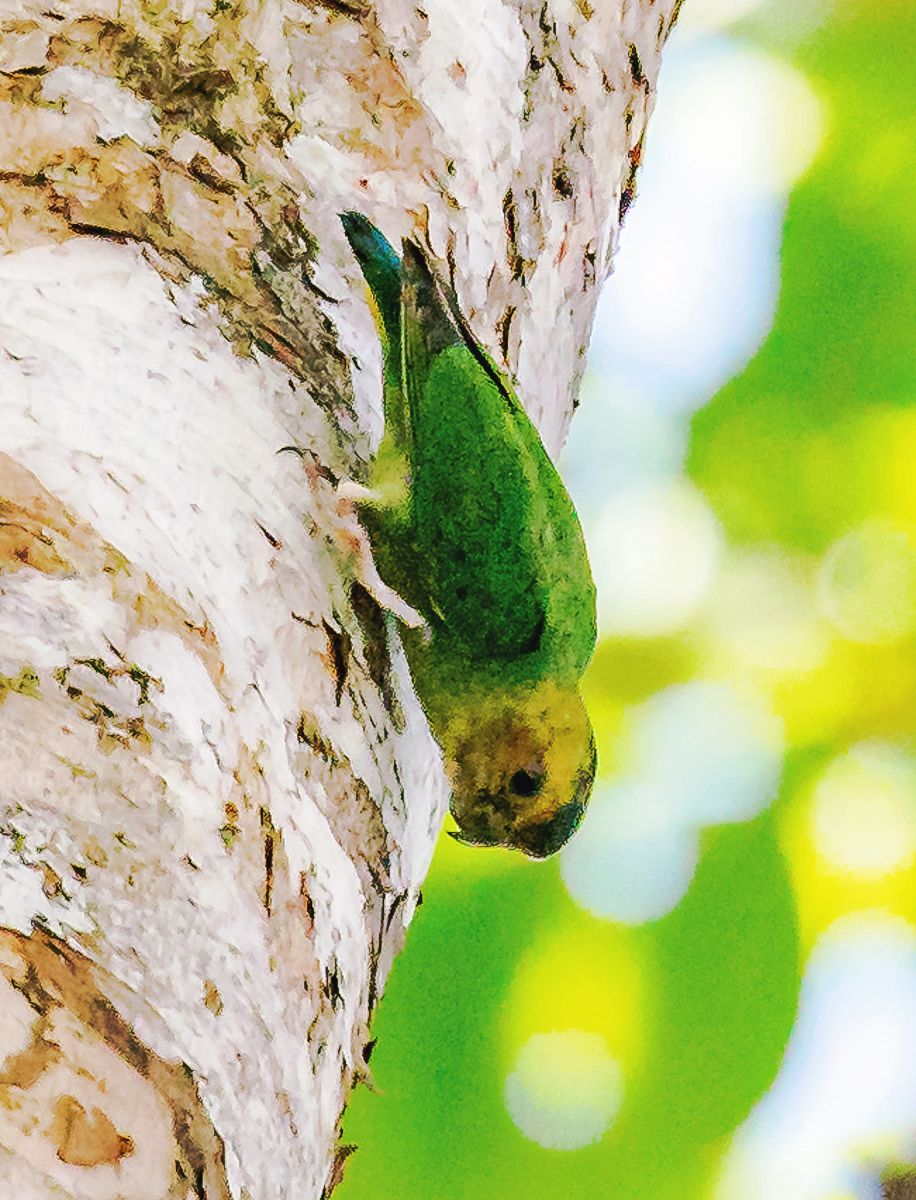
x=712 y=991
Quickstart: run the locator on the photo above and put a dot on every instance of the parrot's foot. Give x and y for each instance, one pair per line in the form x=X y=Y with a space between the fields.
x=378 y=589
x=351 y=538
x=350 y=493
x=390 y=491
x=357 y=493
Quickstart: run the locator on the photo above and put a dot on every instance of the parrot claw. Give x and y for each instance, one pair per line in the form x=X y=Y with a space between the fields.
x=366 y=573
x=349 y=491
x=388 y=598
x=351 y=538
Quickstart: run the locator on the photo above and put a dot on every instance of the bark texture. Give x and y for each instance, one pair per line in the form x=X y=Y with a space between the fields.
x=218 y=794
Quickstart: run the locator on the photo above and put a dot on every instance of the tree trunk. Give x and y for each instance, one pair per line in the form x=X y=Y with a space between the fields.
x=218 y=794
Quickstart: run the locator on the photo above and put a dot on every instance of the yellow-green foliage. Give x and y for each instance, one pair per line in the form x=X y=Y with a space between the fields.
x=809 y=446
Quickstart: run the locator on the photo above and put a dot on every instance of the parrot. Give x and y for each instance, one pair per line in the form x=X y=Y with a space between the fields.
x=470 y=523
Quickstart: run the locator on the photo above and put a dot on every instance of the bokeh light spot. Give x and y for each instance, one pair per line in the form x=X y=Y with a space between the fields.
x=863 y=812
x=846 y=1085
x=628 y=863
x=713 y=752
x=767 y=134
x=763 y=613
x=565 y=1090
x=704 y=16
x=867 y=585
x=695 y=753
x=696 y=279
x=618 y=441
x=654 y=554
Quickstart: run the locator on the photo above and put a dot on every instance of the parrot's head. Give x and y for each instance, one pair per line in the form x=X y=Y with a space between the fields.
x=522 y=772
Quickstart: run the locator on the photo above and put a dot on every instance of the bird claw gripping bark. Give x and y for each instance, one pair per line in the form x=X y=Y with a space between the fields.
x=340 y=498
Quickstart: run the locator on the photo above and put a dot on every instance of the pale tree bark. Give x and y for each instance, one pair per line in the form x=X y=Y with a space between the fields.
x=218 y=794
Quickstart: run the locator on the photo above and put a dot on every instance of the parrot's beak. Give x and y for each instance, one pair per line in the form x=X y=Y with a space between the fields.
x=468 y=841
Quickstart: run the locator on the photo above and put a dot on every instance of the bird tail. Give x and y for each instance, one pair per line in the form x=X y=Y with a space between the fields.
x=382 y=270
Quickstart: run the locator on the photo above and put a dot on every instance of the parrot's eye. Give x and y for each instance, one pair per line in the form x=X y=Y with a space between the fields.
x=526 y=783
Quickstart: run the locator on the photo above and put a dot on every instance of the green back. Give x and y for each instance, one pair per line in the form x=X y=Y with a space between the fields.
x=504 y=559
x=488 y=545
x=474 y=510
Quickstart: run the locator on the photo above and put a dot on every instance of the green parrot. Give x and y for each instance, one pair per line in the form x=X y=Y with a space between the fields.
x=471 y=524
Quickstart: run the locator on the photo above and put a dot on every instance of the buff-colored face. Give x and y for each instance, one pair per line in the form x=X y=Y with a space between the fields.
x=522 y=777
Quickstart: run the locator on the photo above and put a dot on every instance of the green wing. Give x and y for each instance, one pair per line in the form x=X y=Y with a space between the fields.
x=480 y=507
x=571 y=616
x=488 y=543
